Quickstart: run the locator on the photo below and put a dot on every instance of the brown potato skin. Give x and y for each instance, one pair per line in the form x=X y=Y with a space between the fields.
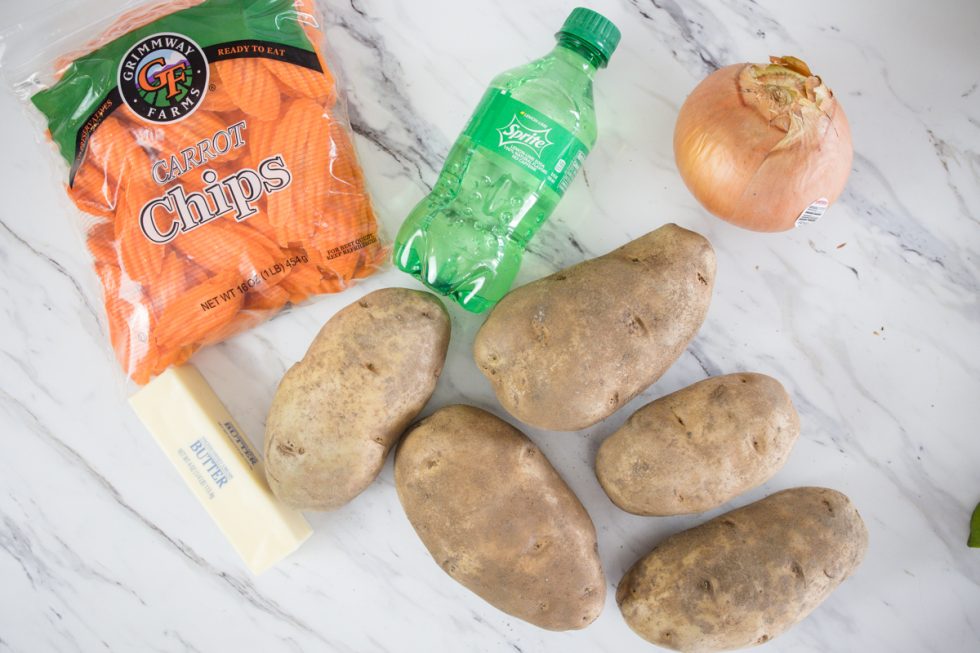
x=497 y=517
x=567 y=351
x=699 y=447
x=747 y=576
x=337 y=413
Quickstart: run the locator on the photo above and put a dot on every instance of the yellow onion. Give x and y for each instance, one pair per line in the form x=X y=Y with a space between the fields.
x=764 y=145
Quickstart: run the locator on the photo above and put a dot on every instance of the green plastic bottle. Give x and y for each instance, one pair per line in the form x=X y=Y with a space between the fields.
x=510 y=167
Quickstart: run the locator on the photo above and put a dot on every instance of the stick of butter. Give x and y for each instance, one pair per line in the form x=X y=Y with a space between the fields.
x=220 y=466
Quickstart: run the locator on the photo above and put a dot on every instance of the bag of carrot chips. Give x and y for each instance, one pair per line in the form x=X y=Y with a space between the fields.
x=207 y=147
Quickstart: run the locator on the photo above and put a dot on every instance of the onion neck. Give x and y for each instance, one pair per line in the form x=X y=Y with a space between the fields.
x=786 y=94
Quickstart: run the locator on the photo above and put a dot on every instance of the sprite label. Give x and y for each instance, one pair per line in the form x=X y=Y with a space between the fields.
x=528 y=138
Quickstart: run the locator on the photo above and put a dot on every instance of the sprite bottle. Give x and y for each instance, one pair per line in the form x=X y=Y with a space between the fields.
x=510 y=167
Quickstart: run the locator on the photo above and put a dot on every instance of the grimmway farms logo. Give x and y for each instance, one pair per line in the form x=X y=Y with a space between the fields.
x=164 y=77
x=517 y=133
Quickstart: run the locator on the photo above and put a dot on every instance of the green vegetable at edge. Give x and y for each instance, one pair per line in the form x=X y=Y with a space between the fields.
x=974 y=540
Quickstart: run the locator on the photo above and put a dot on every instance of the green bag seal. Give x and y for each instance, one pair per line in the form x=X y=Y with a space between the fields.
x=90 y=90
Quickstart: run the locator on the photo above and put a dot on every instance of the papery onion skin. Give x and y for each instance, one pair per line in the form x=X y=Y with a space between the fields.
x=757 y=144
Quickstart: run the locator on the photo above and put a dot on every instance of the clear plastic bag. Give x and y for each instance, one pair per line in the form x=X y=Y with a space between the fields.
x=207 y=148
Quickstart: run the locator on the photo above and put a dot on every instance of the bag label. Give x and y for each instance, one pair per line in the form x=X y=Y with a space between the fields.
x=161 y=70
x=163 y=78
x=527 y=138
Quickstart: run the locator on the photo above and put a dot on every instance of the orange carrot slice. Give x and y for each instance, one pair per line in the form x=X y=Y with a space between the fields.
x=141 y=259
x=170 y=284
x=251 y=85
x=267 y=298
x=218 y=98
x=200 y=311
x=300 y=82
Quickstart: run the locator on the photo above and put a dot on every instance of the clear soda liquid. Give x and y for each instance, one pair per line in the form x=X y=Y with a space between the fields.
x=466 y=239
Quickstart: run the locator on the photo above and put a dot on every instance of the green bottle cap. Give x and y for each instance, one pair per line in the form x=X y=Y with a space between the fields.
x=593 y=28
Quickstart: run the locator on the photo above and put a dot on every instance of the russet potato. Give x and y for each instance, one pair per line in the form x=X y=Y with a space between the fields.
x=497 y=517
x=337 y=413
x=569 y=350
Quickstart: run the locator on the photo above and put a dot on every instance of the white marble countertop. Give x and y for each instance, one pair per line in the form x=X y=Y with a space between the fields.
x=870 y=318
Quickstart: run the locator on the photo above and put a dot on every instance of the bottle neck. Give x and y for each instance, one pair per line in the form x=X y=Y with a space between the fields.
x=579 y=53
